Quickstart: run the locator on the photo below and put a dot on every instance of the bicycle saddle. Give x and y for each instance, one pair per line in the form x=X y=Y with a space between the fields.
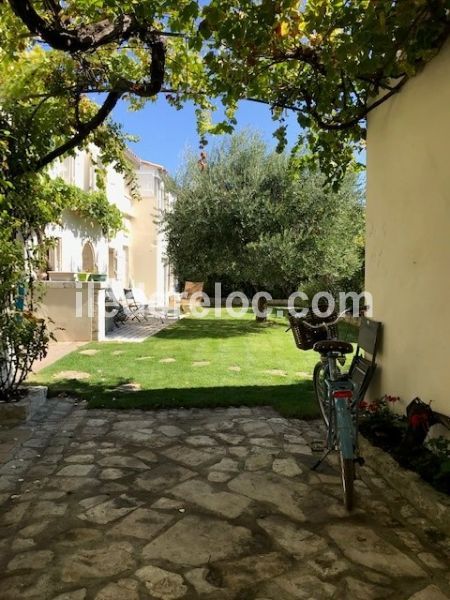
x=326 y=346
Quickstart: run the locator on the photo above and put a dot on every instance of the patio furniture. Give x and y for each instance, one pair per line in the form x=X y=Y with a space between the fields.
x=190 y=288
x=97 y=277
x=138 y=309
x=113 y=305
x=362 y=367
x=141 y=307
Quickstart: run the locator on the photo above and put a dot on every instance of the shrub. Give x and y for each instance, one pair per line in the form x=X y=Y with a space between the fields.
x=392 y=433
x=23 y=339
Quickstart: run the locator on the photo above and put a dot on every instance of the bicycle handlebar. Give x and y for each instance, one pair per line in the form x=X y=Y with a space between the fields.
x=326 y=324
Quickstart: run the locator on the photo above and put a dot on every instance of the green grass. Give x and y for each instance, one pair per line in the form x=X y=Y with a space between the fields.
x=238 y=342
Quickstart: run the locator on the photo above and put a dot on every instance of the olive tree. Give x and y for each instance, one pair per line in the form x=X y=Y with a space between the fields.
x=249 y=216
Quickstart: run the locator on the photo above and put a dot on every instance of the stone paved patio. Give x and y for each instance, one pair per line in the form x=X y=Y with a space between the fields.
x=217 y=504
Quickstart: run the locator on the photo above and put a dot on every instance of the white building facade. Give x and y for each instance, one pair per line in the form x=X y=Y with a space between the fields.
x=134 y=258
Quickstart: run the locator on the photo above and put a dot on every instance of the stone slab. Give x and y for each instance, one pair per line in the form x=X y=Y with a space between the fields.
x=24 y=409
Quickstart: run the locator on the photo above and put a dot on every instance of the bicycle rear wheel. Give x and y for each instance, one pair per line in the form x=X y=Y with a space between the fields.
x=348 y=479
x=320 y=389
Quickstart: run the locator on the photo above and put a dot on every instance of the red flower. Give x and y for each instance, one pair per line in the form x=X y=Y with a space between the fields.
x=392 y=399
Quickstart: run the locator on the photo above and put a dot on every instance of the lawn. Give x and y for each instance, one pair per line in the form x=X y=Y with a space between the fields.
x=205 y=362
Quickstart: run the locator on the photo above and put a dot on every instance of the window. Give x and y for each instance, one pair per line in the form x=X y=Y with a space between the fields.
x=146 y=182
x=126 y=266
x=54 y=257
x=68 y=169
x=88 y=258
x=157 y=187
x=89 y=174
x=112 y=263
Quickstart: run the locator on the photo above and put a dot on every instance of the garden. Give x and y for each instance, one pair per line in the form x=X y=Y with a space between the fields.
x=116 y=486
x=221 y=360
x=207 y=362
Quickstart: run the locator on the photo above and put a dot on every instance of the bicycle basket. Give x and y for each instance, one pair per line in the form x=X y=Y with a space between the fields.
x=304 y=337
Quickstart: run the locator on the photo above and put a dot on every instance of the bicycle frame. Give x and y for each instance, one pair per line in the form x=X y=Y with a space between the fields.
x=342 y=431
x=338 y=401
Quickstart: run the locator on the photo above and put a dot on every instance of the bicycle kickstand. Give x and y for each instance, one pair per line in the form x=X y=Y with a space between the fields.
x=320 y=461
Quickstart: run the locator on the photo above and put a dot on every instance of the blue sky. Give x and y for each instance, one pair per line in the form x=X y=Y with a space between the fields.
x=166 y=133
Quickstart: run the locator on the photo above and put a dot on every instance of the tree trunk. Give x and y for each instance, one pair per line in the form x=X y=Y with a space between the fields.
x=261 y=316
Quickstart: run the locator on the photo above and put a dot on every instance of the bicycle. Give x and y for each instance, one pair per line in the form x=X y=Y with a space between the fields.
x=334 y=392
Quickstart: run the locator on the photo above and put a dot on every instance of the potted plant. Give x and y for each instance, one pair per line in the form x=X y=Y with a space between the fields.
x=83 y=276
x=97 y=277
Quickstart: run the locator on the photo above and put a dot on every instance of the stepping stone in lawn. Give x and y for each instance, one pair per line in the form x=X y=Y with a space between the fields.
x=276 y=372
x=118 y=352
x=144 y=357
x=71 y=375
x=201 y=363
x=167 y=360
x=303 y=374
x=234 y=368
x=90 y=352
x=128 y=387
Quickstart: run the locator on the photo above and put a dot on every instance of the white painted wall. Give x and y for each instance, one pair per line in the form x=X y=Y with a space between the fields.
x=74 y=233
x=408 y=237
x=140 y=248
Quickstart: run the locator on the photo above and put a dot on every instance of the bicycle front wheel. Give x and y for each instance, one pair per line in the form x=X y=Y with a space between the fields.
x=348 y=478
x=321 y=392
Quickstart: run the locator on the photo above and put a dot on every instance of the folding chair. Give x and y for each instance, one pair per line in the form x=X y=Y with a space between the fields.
x=138 y=310
x=149 y=307
x=113 y=305
x=362 y=367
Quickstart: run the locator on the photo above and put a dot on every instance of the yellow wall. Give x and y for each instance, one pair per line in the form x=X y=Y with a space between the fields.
x=408 y=236
x=143 y=253
x=75 y=312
